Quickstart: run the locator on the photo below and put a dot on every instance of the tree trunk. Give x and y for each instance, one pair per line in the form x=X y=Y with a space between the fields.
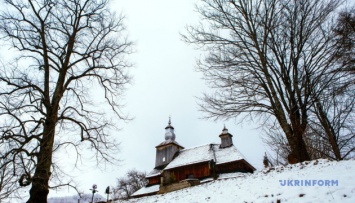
x=299 y=151
x=329 y=130
x=299 y=124
x=39 y=190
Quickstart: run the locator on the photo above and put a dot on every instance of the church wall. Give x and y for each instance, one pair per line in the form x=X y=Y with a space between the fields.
x=236 y=166
x=153 y=180
x=198 y=171
x=165 y=154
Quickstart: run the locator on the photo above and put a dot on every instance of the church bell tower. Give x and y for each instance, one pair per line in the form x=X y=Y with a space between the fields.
x=166 y=150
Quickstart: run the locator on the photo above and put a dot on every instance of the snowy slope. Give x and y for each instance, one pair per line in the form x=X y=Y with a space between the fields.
x=85 y=198
x=315 y=181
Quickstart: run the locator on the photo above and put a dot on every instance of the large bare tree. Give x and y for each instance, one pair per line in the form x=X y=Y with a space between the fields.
x=331 y=130
x=66 y=55
x=266 y=57
x=333 y=117
x=334 y=107
x=126 y=186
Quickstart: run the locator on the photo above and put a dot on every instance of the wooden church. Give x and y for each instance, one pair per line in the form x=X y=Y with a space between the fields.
x=177 y=167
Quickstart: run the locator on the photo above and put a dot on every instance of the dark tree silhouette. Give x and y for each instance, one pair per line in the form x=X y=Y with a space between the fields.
x=67 y=54
x=345 y=36
x=9 y=187
x=269 y=58
x=333 y=109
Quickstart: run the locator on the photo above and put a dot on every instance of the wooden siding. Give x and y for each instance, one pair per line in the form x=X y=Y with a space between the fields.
x=199 y=171
x=165 y=154
x=236 y=166
x=226 y=140
x=153 y=180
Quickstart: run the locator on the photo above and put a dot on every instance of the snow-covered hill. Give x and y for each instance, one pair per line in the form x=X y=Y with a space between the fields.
x=316 y=181
x=85 y=198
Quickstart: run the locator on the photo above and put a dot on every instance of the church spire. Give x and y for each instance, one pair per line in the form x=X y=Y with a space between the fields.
x=169 y=134
x=224 y=130
x=167 y=149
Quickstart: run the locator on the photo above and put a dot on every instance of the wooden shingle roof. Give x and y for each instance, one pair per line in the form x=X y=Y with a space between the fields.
x=205 y=153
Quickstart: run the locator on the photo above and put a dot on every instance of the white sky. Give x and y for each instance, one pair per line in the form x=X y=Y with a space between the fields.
x=165 y=83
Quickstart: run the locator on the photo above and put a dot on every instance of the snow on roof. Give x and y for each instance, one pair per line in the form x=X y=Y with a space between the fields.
x=228 y=154
x=191 y=156
x=146 y=190
x=153 y=173
x=168 y=142
x=205 y=153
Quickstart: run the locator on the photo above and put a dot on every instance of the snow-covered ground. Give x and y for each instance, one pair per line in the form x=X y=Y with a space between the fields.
x=85 y=198
x=316 y=181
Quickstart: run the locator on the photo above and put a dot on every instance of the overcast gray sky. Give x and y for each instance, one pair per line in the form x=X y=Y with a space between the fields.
x=165 y=83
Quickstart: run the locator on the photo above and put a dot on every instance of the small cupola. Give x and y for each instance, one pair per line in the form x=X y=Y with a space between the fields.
x=226 y=138
x=169 y=131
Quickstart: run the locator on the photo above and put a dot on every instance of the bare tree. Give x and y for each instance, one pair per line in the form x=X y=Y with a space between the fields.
x=334 y=107
x=9 y=188
x=334 y=120
x=67 y=54
x=126 y=186
x=318 y=146
x=330 y=133
x=277 y=143
x=266 y=58
x=345 y=36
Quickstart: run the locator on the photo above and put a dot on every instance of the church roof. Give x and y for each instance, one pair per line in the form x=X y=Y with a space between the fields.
x=169 y=142
x=228 y=154
x=146 y=190
x=153 y=173
x=225 y=132
x=205 y=153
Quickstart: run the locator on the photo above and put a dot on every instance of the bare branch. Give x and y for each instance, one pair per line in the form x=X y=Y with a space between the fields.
x=64 y=51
